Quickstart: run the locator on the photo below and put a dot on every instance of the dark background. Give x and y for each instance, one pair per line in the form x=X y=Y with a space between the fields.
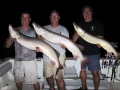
x=108 y=12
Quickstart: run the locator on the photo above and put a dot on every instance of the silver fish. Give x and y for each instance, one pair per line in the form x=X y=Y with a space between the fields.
x=96 y=40
x=32 y=43
x=60 y=39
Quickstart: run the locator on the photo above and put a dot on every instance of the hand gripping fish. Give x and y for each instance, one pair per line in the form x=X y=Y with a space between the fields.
x=60 y=39
x=32 y=43
x=96 y=40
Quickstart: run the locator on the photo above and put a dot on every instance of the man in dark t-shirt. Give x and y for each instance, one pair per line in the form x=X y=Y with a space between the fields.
x=93 y=27
x=91 y=51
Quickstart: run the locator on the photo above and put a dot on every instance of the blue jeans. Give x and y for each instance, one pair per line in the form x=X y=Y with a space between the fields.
x=94 y=65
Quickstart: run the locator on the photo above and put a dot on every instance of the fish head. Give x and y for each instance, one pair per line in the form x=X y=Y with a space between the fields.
x=13 y=32
x=78 y=29
x=39 y=29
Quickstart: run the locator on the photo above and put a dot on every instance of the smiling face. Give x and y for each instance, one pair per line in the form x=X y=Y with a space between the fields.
x=25 y=19
x=87 y=14
x=54 y=17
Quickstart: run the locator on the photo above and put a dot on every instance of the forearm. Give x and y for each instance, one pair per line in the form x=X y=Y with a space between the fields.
x=75 y=37
x=8 y=42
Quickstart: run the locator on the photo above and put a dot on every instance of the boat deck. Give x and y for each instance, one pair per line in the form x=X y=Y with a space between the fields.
x=71 y=78
x=114 y=86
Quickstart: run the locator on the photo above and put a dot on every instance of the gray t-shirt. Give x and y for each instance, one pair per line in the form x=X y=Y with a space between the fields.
x=22 y=53
x=60 y=30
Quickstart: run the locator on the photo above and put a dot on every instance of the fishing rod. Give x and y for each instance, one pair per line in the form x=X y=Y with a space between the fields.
x=109 y=62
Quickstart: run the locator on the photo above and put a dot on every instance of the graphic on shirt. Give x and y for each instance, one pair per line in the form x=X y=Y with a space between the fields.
x=92 y=28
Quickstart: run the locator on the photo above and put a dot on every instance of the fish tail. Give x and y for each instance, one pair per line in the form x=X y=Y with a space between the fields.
x=59 y=68
x=85 y=61
x=56 y=72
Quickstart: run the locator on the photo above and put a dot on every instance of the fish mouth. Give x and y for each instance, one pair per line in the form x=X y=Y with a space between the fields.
x=10 y=27
x=75 y=25
x=36 y=24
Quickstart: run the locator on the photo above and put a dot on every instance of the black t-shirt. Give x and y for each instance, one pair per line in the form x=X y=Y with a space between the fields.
x=93 y=27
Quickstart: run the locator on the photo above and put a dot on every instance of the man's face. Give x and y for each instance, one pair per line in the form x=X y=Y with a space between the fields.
x=87 y=14
x=25 y=19
x=54 y=18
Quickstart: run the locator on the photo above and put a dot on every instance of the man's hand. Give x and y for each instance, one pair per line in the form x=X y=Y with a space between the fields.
x=75 y=57
x=8 y=42
x=52 y=63
x=63 y=46
x=38 y=49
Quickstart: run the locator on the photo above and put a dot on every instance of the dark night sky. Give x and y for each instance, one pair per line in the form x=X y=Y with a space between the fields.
x=108 y=12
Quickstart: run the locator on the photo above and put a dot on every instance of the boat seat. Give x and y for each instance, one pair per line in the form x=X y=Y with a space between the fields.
x=6 y=77
x=5 y=68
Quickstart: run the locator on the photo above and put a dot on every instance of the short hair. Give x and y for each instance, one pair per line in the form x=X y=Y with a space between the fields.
x=25 y=12
x=54 y=11
x=91 y=9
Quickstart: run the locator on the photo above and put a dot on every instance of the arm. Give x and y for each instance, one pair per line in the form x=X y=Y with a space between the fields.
x=75 y=38
x=8 y=41
x=65 y=33
x=41 y=38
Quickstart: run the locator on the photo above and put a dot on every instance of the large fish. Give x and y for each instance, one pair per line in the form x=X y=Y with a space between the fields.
x=33 y=43
x=60 y=39
x=96 y=40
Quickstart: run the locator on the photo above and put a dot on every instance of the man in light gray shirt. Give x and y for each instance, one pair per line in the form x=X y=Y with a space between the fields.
x=25 y=68
x=49 y=70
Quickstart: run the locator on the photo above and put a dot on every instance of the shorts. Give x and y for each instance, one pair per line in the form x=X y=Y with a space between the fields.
x=94 y=65
x=49 y=70
x=25 y=71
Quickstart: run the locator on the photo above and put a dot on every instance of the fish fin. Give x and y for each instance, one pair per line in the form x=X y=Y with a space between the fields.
x=38 y=49
x=117 y=58
x=57 y=52
x=85 y=62
x=60 y=67
x=57 y=70
x=115 y=45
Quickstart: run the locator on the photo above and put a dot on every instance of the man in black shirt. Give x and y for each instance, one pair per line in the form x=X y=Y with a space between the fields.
x=91 y=51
